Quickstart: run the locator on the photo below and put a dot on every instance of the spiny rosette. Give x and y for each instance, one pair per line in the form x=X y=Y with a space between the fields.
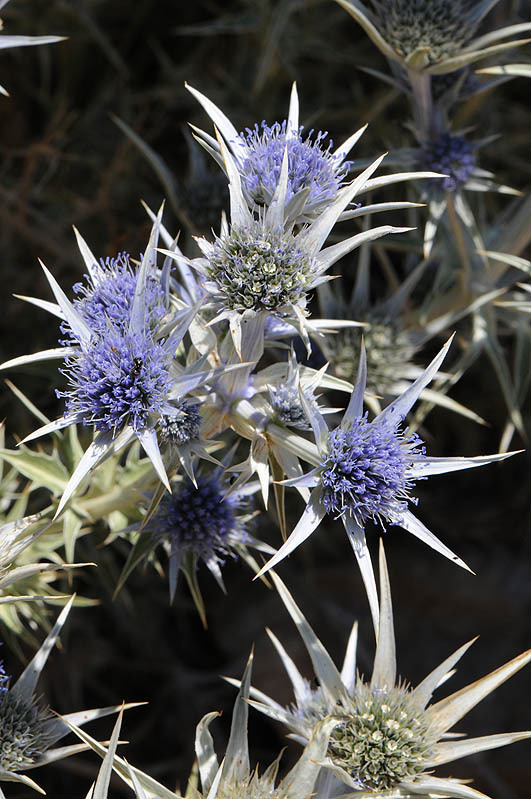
x=110 y=296
x=365 y=473
x=454 y=156
x=181 y=426
x=388 y=351
x=255 y=268
x=199 y=520
x=384 y=739
x=442 y=26
x=24 y=731
x=123 y=378
x=310 y=165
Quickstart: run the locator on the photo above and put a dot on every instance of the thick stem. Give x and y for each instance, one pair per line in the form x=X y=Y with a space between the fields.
x=423 y=111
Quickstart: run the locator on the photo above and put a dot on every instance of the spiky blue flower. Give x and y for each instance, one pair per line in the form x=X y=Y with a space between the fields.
x=453 y=156
x=121 y=379
x=365 y=471
x=181 y=426
x=199 y=519
x=107 y=294
x=311 y=164
x=316 y=171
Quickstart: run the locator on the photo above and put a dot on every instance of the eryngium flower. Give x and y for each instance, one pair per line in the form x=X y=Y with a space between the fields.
x=256 y=268
x=311 y=165
x=200 y=520
x=122 y=378
x=453 y=156
x=316 y=172
x=435 y=36
x=440 y=26
x=181 y=426
x=366 y=470
x=24 y=731
x=390 y=738
x=261 y=267
x=108 y=293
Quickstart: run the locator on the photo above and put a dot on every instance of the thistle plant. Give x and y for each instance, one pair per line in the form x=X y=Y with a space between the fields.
x=367 y=470
x=193 y=386
x=391 y=736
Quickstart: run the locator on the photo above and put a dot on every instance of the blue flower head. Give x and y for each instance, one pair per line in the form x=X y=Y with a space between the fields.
x=198 y=519
x=311 y=165
x=107 y=294
x=454 y=156
x=365 y=471
x=182 y=425
x=122 y=378
x=316 y=172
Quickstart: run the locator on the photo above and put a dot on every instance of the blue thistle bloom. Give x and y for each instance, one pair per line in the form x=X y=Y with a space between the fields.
x=365 y=472
x=108 y=294
x=181 y=426
x=199 y=520
x=451 y=155
x=121 y=379
x=311 y=165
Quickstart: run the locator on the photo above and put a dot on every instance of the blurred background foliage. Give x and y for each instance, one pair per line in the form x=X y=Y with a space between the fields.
x=65 y=162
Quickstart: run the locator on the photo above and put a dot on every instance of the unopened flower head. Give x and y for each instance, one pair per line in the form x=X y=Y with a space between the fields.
x=441 y=26
x=453 y=156
x=388 y=349
x=260 y=269
x=365 y=472
x=181 y=426
x=121 y=379
x=199 y=520
x=110 y=297
x=384 y=739
x=24 y=731
x=312 y=165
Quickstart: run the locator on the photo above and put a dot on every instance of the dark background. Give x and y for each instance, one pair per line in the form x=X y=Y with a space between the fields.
x=64 y=162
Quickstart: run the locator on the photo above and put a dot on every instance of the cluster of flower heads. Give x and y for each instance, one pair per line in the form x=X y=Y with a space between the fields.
x=167 y=359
